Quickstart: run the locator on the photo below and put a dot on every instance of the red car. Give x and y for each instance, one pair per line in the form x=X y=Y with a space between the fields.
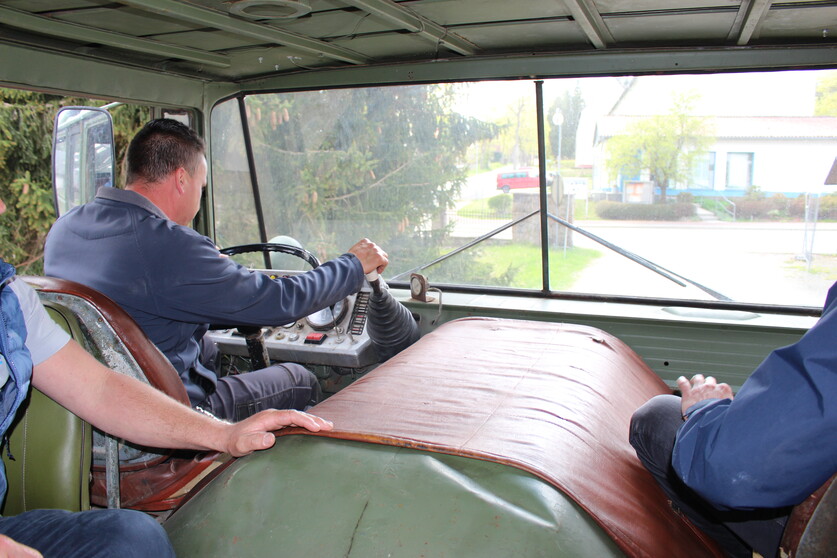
x=520 y=178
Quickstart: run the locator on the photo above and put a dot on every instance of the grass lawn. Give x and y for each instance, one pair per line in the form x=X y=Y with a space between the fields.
x=523 y=263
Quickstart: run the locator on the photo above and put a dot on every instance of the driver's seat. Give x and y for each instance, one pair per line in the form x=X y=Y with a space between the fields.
x=149 y=479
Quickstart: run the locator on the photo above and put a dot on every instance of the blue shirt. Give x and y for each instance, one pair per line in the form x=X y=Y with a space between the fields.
x=174 y=282
x=776 y=442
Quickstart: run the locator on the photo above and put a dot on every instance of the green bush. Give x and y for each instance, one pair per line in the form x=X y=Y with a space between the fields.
x=827 y=210
x=501 y=204
x=685 y=197
x=774 y=208
x=644 y=212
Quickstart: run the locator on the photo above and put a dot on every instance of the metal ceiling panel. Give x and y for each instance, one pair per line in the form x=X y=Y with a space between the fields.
x=208 y=40
x=529 y=36
x=332 y=25
x=795 y=23
x=37 y=6
x=622 y=6
x=388 y=47
x=703 y=29
x=129 y=21
x=457 y=12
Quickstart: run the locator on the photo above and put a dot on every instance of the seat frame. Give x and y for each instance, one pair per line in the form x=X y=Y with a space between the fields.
x=125 y=475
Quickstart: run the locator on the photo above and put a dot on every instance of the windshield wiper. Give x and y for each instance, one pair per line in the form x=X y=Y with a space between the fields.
x=667 y=273
x=464 y=247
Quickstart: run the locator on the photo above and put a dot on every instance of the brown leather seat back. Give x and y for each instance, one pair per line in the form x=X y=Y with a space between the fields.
x=811 y=531
x=89 y=304
x=150 y=478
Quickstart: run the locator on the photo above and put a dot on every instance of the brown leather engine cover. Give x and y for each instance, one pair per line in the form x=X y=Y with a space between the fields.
x=552 y=399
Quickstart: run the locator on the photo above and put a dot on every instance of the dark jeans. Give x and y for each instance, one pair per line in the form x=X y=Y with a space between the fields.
x=653 y=430
x=281 y=386
x=238 y=396
x=89 y=534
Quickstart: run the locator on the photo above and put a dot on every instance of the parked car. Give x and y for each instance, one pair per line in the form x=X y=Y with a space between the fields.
x=520 y=178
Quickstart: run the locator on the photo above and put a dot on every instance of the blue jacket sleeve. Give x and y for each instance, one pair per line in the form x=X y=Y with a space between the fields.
x=776 y=441
x=197 y=284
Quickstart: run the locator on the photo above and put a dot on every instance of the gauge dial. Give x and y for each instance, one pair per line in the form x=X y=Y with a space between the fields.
x=418 y=287
x=328 y=318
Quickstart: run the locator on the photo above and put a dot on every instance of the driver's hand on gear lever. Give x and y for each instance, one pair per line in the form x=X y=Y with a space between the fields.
x=371 y=256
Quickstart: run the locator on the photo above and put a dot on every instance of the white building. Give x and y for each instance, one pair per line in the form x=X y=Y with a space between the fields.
x=765 y=131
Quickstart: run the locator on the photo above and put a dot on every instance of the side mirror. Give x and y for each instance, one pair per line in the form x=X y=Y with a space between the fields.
x=82 y=156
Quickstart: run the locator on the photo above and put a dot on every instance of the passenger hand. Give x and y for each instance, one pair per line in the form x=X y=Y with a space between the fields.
x=371 y=256
x=699 y=388
x=256 y=432
x=10 y=548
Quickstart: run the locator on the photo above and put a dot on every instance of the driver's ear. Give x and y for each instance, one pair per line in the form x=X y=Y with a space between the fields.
x=180 y=176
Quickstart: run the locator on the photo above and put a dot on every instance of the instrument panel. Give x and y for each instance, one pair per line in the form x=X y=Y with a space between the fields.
x=335 y=336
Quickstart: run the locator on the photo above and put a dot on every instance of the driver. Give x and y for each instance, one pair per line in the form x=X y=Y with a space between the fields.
x=135 y=246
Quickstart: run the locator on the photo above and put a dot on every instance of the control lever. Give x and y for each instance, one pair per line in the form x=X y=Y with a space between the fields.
x=256 y=346
x=391 y=327
x=374 y=280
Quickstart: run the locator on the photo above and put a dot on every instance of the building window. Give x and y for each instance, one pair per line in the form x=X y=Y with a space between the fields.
x=703 y=176
x=739 y=170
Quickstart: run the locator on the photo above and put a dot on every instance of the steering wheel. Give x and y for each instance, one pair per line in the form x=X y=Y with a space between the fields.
x=252 y=334
x=266 y=247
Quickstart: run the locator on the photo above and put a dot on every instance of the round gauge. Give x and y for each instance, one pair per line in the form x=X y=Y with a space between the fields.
x=327 y=318
x=418 y=287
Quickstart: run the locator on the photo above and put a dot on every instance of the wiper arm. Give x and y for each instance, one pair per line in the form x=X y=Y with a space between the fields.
x=667 y=273
x=455 y=251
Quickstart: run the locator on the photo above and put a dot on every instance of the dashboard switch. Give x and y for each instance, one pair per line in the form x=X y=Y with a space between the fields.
x=315 y=338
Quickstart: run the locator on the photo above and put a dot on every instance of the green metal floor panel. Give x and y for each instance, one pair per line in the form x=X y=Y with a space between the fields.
x=323 y=498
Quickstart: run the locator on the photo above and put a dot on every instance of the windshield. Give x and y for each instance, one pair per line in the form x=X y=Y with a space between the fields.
x=696 y=187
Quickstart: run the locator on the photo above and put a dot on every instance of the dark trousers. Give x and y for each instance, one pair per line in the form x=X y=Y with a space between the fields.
x=653 y=430
x=281 y=386
x=89 y=534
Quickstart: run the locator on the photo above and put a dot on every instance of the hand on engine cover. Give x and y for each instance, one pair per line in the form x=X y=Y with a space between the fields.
x=699 y=388
x=256 y=432
x=371 y=256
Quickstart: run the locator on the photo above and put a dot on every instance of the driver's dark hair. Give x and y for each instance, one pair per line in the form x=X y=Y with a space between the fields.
x=161 y=147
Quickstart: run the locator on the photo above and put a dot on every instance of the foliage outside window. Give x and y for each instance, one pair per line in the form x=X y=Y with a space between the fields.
x=26 y=121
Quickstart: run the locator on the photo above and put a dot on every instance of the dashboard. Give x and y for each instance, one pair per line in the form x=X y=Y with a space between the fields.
x=334 y=336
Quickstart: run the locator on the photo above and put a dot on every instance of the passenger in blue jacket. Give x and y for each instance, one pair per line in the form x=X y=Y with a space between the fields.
x=35 y=351
x=735 y=465
x=135 y=246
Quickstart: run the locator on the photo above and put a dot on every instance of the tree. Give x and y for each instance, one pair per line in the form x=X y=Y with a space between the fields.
x=26 y=121
x=666 y=146
x=334 y=166
x=25 y=176
x=826 y=103
x=570 y=104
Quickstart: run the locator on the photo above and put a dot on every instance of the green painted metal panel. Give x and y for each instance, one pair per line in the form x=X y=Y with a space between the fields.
x=34 y=69
x=311 y=496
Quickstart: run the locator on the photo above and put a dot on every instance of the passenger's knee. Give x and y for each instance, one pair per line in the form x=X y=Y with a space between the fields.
x=654 y=425
x=133 y=534
x=644 y=419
